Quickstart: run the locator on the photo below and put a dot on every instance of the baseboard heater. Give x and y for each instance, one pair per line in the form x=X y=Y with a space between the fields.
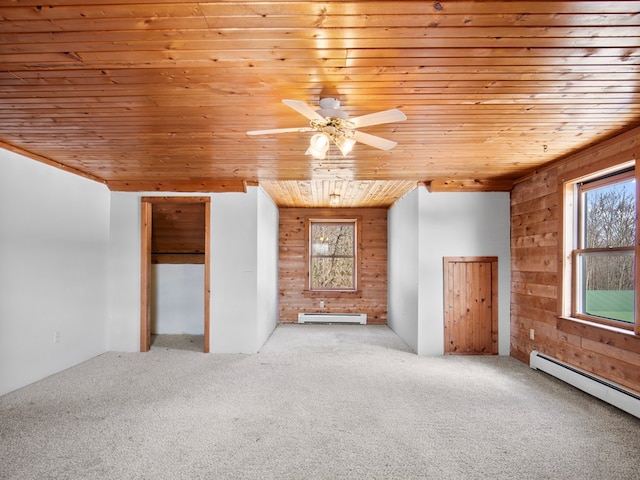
x=603 y=389
x=360 y=318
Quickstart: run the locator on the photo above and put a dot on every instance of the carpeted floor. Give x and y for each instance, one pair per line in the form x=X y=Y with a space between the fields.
x=318 y=402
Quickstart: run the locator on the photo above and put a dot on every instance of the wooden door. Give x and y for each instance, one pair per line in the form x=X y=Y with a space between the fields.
x=470 y=305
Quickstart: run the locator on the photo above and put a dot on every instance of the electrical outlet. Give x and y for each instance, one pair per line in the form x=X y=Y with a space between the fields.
x=56 y=336
x=321 y=303
x=532 y=334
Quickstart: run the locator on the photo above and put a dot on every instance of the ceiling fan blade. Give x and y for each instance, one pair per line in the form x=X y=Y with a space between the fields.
x=280 y=130
x=373 y=141
x=386 y=116
x=303 y=109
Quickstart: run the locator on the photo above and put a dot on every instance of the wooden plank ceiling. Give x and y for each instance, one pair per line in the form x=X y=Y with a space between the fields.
x=158 y=95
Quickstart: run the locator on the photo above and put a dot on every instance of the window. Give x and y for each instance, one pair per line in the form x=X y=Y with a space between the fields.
x=332 y=255
x=603 y=252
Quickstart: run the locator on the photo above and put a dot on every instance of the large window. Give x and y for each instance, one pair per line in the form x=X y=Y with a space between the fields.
x=603 y=255
x=332 y=255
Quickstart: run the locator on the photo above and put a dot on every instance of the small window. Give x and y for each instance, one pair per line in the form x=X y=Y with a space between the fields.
x=604 y=249
x=332 y=255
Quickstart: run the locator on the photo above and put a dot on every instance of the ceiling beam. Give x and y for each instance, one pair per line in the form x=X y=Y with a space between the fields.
x=469 y=185
x=200 y=185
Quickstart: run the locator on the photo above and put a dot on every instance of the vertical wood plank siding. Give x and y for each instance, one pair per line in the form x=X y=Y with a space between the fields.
x=536 y=252
x=371 y=297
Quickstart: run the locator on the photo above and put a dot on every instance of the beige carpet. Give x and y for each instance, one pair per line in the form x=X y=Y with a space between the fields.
x=318 y=402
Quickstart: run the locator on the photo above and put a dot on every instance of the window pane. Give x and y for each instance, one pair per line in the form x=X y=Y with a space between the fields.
x=608 y=285
x=332 y=239
x=610 y=216
x=332 y=273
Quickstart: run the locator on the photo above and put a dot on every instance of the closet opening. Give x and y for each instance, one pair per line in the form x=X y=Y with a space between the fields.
x=175 y=273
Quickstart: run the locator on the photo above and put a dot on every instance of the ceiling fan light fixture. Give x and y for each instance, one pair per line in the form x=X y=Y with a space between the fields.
x=344 y=144
x=320 y=142
x=318 y=146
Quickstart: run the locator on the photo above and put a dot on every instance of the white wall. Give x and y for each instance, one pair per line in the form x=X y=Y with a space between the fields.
x=449 y=224
x=234 y=263
x=402 y=298
x=268 y=250
x=124 y=273
x=177 y=299
x=54 y=230
x=242 y=307
x=244 y=273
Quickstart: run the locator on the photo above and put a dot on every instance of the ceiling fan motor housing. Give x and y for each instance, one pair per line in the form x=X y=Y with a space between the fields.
x=330 y=107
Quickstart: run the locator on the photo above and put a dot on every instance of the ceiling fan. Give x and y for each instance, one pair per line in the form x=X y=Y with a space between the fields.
x=331 y=123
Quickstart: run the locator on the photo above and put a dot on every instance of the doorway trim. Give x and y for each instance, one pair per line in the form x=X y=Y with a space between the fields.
x=146 y=215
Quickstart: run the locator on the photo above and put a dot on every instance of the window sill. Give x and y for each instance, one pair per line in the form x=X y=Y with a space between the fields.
x=332 y=293
x=597 y=332
x=604 y=326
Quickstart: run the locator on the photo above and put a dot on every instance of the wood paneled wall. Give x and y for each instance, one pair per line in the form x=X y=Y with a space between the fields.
x=371 y=297
x=536 y=252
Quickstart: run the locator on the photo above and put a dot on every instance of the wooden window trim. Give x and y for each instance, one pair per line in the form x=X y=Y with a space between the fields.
x=331 y=293
x=567 y=233
x=357 y=220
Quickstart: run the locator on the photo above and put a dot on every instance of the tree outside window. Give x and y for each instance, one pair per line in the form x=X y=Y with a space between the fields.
x=332 y=259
